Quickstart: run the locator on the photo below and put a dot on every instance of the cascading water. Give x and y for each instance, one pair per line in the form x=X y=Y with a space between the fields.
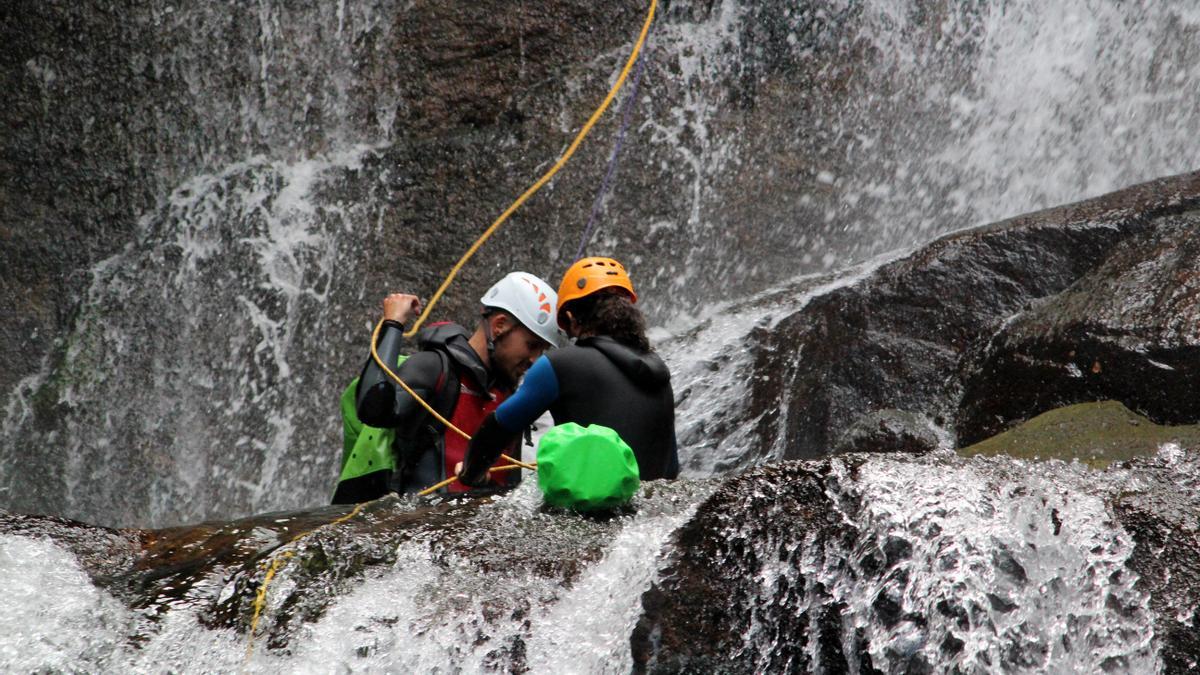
x=210 y=318
x=989 y=566
x=551 y=591
x=199 y=379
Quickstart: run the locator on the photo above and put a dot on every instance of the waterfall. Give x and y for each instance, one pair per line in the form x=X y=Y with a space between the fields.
x=290 y=166
x=208 y=352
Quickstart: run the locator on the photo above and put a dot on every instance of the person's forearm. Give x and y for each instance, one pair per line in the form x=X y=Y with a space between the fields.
x=486 y=446
x=376 y=395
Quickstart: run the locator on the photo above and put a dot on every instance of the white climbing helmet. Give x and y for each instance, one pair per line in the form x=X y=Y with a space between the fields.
x=531 y=301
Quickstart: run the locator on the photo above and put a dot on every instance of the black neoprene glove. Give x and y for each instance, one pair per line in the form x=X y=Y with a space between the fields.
x=486 y=446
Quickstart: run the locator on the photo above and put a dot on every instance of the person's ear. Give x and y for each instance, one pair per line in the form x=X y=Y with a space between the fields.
x=500 y=323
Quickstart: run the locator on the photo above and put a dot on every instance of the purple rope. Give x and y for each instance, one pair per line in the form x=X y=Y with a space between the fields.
x=626 y=110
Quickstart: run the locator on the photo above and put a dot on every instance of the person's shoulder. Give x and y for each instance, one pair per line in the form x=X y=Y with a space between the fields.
x=564 y=352
x=423 y=368
x=571 y=356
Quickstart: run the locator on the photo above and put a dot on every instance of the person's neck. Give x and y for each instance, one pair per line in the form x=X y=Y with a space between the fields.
x=478 y=342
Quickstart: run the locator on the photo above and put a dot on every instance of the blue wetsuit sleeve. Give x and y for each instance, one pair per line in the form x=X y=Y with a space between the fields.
x=532 y=398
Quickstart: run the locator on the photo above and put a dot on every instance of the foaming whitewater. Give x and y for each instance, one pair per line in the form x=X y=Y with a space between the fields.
x=1008 y=567
x=54 y=619
x=435 y=608
x=426 y=616
x=900 y=565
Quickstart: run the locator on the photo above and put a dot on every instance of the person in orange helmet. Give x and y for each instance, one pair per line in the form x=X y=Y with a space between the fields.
x=609 y=376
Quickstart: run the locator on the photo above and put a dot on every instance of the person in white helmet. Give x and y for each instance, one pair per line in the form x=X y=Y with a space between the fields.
x=463 y=375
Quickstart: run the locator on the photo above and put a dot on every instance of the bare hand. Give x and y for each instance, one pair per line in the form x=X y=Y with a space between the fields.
x=458 y=473
x=401 y=307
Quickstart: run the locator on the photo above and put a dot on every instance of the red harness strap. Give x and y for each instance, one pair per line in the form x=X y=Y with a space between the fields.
x=469 y=412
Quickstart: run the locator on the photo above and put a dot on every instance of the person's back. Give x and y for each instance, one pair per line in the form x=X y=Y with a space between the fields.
x=603 y=381
x=610 y=377
x=450 y=376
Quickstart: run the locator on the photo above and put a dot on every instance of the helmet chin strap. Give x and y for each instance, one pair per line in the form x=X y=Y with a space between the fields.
x=491 y=339
x=487 y=334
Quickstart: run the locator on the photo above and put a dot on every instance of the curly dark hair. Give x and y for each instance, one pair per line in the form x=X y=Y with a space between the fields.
x=611 y=314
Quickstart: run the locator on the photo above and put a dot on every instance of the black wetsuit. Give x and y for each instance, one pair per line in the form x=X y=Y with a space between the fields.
x=447 y=374
x=598 y=380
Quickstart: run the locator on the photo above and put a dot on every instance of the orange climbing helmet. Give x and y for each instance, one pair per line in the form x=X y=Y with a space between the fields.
x=589 y=275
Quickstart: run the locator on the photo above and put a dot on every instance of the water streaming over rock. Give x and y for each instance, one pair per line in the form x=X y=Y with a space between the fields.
x=892 y=565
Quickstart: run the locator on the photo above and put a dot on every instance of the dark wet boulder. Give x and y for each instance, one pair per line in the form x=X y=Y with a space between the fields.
x=888 y=431
x=398 y=584
x=1128 y=330
x=895 y=336
x=935 y=563
x=700 y=616
x=218 y=569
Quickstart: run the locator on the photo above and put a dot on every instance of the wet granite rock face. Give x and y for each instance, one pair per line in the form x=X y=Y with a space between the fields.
x=117 y=117
x=888 y=431
x=110 y=108
x=1129 y=330
x=897 y=337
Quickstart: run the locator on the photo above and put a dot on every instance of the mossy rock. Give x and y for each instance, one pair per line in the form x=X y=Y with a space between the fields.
x=1096 y=434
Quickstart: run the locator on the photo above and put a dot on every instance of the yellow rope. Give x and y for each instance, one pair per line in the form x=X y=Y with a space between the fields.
x=517 y=462
x=260 y=599
x=495 y=469
x=637 y=48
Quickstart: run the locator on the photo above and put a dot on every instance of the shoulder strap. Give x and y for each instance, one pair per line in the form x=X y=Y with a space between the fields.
x=445 y=392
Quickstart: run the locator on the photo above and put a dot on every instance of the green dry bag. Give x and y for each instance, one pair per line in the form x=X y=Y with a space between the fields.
x=586 y=469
